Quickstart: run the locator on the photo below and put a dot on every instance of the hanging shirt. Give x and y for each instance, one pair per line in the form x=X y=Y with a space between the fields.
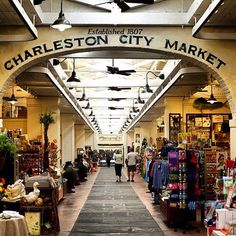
x=147 y=170
x=157 y=175
x=160 y=174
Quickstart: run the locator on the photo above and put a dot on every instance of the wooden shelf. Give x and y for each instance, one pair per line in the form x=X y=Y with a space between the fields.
x=49 y=213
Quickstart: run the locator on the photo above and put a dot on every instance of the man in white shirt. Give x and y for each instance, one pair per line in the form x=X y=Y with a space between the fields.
x=131 y=160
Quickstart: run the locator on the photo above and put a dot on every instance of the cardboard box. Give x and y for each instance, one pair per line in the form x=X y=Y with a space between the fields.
x=223 y=217
x=217 y=233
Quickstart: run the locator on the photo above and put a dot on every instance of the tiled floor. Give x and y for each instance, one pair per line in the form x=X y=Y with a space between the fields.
x=72 y=204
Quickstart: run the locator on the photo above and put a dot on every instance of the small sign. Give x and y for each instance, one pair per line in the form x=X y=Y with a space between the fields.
x=33 y=222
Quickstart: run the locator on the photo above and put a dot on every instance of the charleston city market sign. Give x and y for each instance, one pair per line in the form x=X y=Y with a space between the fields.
x=110 y=37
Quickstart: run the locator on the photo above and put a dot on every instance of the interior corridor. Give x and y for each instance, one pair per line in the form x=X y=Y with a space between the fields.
x=106 y=207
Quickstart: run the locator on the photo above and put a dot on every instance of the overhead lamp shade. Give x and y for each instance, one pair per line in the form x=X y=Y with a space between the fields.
x=91 y=113
x=147 y=89
x=212 y=99
x=88 y=106
x=161 y=76
x=135 y=110
x=73 y=77
x=162 y=124
x=83 y=98
x=38 y=2
x=61 y=23
x=140 y=101
x=55 y=62
x=12 y=100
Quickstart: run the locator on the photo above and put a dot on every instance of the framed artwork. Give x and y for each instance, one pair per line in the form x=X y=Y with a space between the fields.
x=206 y=122
x=137 y=138
x=174 y=126
x=33 y=222
x=198 y=121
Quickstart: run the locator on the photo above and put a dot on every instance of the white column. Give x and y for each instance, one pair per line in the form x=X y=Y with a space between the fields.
x=34 y=128
x=80 y=136
x=232 y=125
x=68 y=138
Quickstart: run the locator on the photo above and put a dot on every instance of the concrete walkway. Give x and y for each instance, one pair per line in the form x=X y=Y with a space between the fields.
x=114 y=209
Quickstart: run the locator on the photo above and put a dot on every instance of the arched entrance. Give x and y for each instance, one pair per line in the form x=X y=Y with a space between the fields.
x=211 y=58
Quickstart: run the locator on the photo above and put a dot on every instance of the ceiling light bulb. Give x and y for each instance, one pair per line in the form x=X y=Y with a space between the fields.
x=212 y=99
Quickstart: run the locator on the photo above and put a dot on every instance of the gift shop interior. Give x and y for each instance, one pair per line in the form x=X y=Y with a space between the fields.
x=71 y=98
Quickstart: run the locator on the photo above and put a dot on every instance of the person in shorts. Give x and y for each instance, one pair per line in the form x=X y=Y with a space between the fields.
x=131 y=161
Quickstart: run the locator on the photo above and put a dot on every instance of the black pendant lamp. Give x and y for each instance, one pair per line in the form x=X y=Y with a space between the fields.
x=73 y=77
x=83 y=98
x=12 y=99
x=141 y=101
x=91 y=113
x=211 y=99
x=134 y=109
x=147 y=87
x=88 y=107
x=61 y=23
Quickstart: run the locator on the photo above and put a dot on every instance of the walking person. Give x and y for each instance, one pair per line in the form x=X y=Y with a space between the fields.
x=131 y=161
x=108 y=158
x=118 y=158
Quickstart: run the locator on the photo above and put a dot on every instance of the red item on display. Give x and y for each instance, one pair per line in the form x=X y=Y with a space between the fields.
x=173 y=186
x=229 y=164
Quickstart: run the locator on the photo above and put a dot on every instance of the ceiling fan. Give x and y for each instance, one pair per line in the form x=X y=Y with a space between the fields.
x=115 y=70
x=116 y=99
x=114 y=88
x=122 y=4
x=115 y=108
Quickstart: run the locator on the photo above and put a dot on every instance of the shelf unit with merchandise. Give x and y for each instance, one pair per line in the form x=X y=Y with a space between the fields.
x=180 y=207
x=30 y=161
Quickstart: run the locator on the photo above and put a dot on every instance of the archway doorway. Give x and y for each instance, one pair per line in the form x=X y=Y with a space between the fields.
x=182 y=77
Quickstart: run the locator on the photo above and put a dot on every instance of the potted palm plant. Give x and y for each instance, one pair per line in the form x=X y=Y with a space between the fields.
x=46 y=119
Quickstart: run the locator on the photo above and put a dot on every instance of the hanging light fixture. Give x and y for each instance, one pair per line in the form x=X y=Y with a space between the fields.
x=88 y=107
x=147 y=87
x=211 y=99
x=130 y=116
x=56 y=62
x=134 y=109
x=91 y=113
x=61 y=23
x=141 y=101
x=83 y=98
x=73 y=77
x=162 y=124
x=12 y=99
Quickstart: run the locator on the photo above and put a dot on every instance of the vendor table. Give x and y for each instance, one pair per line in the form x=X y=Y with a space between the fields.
x=13 y=227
